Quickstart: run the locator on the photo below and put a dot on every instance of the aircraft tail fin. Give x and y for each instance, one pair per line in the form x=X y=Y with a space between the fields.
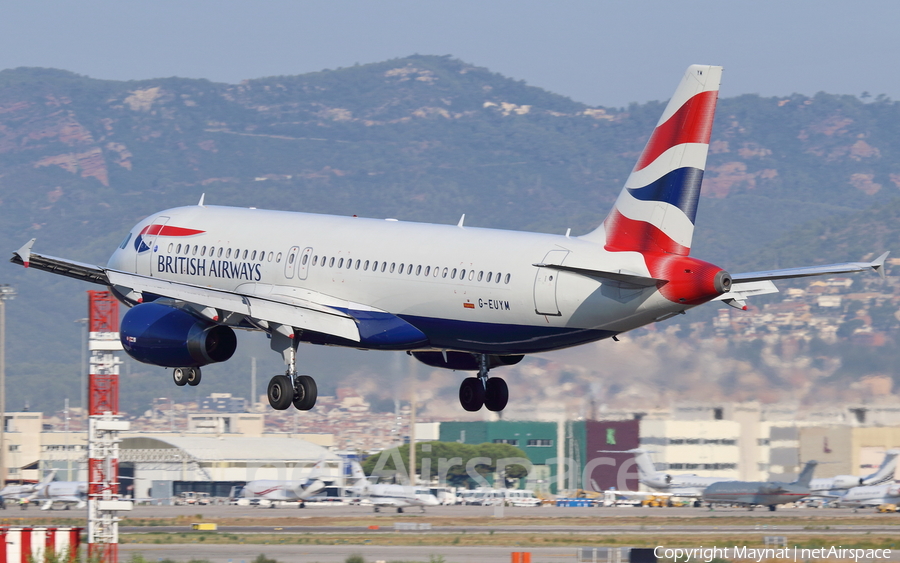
x=655 y=211
x=807 y=474
x=318 y=470
x=643 y=460
x=885 y=473
x=357 y=475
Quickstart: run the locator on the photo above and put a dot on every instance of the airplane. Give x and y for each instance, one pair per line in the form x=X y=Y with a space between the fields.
x=27 y=490
x=870 y=495
x=835 y=487
x=390 y=496
x=688 y=485
x=452 y=296
x=66 y=493
x=761 y=493
x=281 y=490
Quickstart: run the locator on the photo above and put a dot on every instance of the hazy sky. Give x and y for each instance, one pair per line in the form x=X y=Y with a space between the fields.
x=597 y=52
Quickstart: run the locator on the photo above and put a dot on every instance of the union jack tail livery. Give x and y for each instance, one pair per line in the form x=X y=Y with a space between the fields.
x=655 y=211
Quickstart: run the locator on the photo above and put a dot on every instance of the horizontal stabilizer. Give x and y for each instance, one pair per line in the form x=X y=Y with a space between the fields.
x=741 y=291
x=621 y=276
x=845 y=268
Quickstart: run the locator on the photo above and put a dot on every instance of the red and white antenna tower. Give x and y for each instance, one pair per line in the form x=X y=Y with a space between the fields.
x=104 y=425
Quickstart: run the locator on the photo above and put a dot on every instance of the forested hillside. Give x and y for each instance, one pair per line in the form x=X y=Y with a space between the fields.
x=420 y=139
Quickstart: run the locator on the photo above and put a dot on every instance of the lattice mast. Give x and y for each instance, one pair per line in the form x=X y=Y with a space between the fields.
x=104 y=425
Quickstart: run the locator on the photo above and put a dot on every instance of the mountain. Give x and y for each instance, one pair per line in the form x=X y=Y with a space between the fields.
x=421 y=138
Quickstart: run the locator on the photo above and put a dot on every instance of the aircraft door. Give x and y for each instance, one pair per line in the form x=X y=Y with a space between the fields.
x=303 y=266
x=146 y=248
x=291 y=263
x=545 y=285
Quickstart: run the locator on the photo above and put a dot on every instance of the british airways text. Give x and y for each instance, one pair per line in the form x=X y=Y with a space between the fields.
x=212 y=268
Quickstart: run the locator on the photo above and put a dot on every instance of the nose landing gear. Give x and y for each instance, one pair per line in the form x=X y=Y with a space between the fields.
x=475 y=392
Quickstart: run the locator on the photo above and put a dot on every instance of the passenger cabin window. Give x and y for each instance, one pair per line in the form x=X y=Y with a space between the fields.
x=480 y=275
x=291 y=259
x=444 y=274
x=427 y=270
x=489 y=277
x=331 y=262
x=497 y=279
x=471 y=274
x=203 y=251
x=228 y=254
x=462 y=274
x=170 y=248
x=305 y=259
x=253 y=256
x=220 y=252
x=366 y=265
x=409 y=270
x=383 y=266
x=507 y=279
x=341 y=263
x=195 y=250
x=418 y=270
x=393 y=265
x=278 y=258
x=245 y=254
x=271 y=255
x=453 y=274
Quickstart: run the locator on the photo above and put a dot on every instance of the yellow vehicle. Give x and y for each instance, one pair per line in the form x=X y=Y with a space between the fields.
x=886 y=508
x=657 y=501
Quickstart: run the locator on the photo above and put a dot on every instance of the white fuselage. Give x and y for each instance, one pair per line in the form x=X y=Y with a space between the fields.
x=682 y=485
x=270 y=489
x=458 y=285
x=871 y=495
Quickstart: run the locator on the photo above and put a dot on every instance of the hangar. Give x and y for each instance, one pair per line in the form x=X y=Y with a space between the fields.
x=218 y=461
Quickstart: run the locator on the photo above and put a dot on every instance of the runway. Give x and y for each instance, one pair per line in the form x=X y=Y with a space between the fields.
x=339 y=553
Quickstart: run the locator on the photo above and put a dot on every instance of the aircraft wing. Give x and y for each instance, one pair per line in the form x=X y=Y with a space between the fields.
x=68 y=268
x=284 y=310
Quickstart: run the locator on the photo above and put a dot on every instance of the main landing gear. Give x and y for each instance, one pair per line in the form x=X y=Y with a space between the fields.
x=290 y=388
x=186 y=376
x=475 y=392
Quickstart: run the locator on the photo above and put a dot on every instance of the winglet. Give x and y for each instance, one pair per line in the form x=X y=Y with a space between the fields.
x=25 y=252
x=878 y=264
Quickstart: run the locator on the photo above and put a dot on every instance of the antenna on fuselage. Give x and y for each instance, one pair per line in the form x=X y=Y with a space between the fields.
x=202 y=196
x=461 y=220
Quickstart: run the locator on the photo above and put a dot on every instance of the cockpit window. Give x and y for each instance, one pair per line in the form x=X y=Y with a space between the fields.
x=125 y=242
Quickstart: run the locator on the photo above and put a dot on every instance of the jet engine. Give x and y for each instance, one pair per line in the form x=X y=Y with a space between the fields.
x=167 y=336
x=463 y=361
x=846 y=482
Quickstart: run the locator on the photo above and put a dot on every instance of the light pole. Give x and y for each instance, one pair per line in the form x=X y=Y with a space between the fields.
x=7 y=292
x=84 y=369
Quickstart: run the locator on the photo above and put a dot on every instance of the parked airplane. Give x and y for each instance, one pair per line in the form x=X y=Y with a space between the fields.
x=830 y=487
x=761 y=493
x=391 y=496
x=66 y=493
x=687 y=485
x=275 y=490
x=27 y=490
x=871 y=495
x=452 y=296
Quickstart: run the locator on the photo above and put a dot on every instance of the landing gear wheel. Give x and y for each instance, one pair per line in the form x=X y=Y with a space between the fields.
x=180 y=375
x=193 y=378
x=280 y=392
x=496 y=395
x=471 y=394
x=773 y=507
x=305 y=393
x=400 y=509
